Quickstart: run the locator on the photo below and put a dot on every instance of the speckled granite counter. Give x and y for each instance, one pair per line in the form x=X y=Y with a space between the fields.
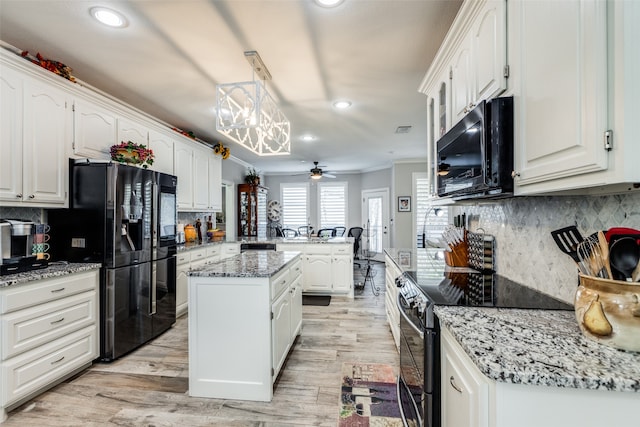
x=276 y=240
x=538 y=347
x=54 y=270
x=248 y=264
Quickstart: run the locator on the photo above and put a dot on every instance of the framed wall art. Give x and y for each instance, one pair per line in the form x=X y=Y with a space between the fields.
x=404 y=204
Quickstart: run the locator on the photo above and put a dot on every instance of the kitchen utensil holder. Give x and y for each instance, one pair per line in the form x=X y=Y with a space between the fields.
x=459 y=255
x=481 y=251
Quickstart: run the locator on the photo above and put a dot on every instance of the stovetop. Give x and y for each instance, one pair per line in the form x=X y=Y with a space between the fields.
x=482 y=290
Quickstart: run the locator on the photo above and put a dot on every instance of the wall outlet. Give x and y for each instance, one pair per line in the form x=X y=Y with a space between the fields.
x=78 y=242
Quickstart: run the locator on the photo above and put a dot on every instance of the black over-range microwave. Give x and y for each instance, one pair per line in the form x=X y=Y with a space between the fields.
x=475 y=157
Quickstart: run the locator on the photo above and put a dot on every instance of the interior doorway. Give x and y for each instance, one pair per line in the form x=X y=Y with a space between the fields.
x=375 y=221
x=228 y=214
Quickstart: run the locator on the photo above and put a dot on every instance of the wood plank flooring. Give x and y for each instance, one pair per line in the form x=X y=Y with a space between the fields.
x=149 y=387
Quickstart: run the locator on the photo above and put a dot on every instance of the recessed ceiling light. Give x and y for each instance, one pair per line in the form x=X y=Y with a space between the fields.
x=342 y=104
x=329 y=3
x=308 y=138
x=109 y=17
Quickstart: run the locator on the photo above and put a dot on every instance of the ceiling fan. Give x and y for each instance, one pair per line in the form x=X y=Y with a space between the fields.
x=317 y=173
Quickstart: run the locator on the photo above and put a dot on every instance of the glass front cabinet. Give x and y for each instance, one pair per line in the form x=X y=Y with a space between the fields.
x=252 y=211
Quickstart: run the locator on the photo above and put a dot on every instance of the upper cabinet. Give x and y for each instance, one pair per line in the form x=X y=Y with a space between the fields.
x=558 y=54
x=162 y=146
x=470 y=66
x=35 y=121
x=94 y=129
x=129 y=130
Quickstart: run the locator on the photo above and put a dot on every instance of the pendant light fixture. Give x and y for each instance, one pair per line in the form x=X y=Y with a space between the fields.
x=248 y=115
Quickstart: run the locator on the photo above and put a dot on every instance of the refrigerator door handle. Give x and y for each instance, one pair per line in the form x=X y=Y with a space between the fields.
x=154 y=298
x=155 y=220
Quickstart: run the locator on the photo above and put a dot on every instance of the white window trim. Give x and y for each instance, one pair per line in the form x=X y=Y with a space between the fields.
x=345 y=185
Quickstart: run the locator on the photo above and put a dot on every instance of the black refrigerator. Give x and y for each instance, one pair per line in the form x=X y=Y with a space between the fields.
x=125 y=218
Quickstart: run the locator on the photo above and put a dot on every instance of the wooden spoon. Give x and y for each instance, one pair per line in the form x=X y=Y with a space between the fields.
x=604 y=250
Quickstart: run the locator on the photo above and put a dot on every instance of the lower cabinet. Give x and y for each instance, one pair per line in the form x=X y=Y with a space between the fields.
x=280 y=330
x=296 y=300
x=183 y=264
x=469 y=398
x=49 y=330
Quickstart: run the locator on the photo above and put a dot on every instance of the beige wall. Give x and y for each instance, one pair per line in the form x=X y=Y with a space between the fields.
x=402 y=233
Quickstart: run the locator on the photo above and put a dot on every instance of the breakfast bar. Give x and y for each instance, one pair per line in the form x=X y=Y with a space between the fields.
x=244 y=314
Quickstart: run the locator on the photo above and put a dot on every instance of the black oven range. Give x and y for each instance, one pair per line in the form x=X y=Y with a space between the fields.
x=419 y=292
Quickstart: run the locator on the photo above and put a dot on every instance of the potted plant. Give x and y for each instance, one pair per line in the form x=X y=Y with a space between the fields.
x=132 y=154
x=252 y=177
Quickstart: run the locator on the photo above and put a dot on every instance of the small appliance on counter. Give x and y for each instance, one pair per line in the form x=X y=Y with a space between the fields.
x=16 y=247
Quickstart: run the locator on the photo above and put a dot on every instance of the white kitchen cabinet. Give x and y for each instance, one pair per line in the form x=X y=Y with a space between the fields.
x=296 y=300
x=281 y=325
x=183 y=161
x=94 y=129
x=341 y=272
x=36 y=128
x=183 y=264
x=201 y=177
x=462 y=91
x=316 y=269
x=391 y=271
x=215 y=181
x=229 y=249
x=131 y=130
x=464 y=390
x=162 y=146
x=469 y=398
x=48 y=330
x=558 y=54
x=36 y=131
x=489 y=50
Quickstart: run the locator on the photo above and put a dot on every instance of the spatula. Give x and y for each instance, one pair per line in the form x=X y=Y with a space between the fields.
x=568 y=239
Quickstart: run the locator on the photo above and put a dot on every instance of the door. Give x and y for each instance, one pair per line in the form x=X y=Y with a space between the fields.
x=375 y=220
x=229 y=210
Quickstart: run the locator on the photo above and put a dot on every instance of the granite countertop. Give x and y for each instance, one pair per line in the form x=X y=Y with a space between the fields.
x=248 y=264
x=53 y=270
x=539 y=347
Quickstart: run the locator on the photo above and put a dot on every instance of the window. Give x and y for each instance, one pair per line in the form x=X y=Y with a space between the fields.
x=332 y=204
x=295 y=205
x=429 y=220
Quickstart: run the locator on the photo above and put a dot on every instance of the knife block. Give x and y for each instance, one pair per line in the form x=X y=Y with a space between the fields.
x=459 y=255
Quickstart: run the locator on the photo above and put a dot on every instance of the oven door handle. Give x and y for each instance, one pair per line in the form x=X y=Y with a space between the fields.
x=419 y=331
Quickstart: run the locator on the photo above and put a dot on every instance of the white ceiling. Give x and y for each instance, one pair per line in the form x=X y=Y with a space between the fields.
x=170 y=57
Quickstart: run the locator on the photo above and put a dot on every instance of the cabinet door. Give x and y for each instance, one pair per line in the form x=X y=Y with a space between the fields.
x=201 y=178
x=10 y=135
x=465 y=392
x=561 y=94
x=47 y=131
x=461 y=81
x=181 y=289
x=315 y=268
x=443 y=97
x=280 y=330
x=162 y=147
x=489 y=47
x=183 y=158
x=342 y=272
x=129 y=130
x=296 y=306
x=215 y=182
x=94 y=130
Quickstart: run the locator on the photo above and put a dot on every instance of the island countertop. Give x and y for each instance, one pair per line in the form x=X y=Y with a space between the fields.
x=539 y=347
x=248 y=264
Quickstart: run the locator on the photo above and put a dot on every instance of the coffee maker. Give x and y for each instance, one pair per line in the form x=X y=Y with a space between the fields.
x=16 y=246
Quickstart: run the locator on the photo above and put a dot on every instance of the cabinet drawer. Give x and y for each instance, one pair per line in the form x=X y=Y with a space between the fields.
x=34 y=370
x=26 y=329
x=318 y=248
x=46 y=290
x=295 y=270
x=198 y=254
x=341 y=249
x=213 y=251
x=183 y=257
x=279 y=283
x=230 y=249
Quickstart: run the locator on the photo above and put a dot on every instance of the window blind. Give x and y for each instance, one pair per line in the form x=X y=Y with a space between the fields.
x=295 y=205
x=332 y=204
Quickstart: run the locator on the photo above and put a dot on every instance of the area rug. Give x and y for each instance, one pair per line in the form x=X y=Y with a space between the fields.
x=323 y=300
x=368 y=396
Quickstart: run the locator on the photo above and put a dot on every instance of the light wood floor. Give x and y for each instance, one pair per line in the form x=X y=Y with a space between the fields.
x=149 y=386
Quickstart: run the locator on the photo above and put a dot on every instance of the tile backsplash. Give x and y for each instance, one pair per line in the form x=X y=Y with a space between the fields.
x=525 y=250
x=27 y=214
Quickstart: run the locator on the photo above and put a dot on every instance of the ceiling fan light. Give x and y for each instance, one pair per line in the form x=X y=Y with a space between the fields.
x=109 y=17
x=316 y=176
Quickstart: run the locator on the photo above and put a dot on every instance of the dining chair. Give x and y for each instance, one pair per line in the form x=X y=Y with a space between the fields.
x=340 y=231
x=326 y=232
x=304 y=230
x=289 y=232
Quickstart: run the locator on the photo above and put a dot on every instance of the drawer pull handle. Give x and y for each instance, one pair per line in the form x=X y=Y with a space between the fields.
x=53 y=291
x=452 y=381
x=57 y=361
x=57 y=321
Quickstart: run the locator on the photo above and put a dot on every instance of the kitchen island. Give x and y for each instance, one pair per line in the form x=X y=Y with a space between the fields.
x=245 y=312
x=532 y=368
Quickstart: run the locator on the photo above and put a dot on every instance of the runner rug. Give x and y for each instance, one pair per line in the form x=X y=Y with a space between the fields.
x=368 y=396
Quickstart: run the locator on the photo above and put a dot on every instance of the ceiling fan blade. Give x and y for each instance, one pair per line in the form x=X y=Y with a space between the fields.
x=328 y=175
